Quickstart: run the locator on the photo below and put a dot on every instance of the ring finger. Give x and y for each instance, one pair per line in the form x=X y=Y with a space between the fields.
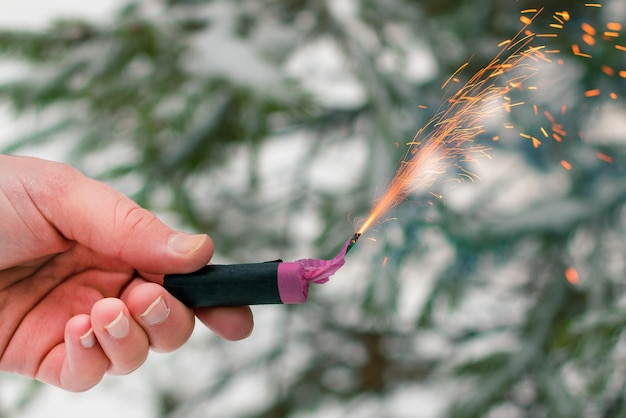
x=121 y=338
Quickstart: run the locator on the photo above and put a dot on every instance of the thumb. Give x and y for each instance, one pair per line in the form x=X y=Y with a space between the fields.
x=97 y=216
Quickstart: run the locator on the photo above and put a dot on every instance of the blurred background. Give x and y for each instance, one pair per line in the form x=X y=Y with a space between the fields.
x=273 y=125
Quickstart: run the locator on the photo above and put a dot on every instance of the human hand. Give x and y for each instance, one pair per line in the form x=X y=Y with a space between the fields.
x=80 y=273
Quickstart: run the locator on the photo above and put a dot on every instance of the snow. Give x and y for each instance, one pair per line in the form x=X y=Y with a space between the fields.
x=219 y=53
x=323 y=70
x=36 y=14
x=122 y=397
x=519 y=204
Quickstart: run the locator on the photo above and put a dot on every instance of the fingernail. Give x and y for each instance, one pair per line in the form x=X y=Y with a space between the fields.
x=185 y=243
x=88 y=340
x=157 y=312
x=119 y=327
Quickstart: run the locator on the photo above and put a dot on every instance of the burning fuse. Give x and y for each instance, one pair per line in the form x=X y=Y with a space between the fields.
x=273 y=282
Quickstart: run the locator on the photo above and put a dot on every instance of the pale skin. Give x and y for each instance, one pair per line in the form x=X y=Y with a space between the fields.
x=80 y=273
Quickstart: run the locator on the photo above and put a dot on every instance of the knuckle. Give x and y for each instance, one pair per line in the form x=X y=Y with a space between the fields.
x=130 y=218
x=128 y=362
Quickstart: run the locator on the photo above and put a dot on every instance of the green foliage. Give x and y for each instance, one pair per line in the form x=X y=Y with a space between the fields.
x=485 y=365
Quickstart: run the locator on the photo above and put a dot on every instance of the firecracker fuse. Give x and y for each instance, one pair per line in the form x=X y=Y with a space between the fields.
x=273 y=282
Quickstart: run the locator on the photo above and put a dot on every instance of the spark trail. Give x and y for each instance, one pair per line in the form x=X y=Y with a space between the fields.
x=449 y=139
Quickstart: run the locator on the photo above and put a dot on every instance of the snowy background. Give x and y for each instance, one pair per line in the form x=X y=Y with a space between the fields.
x=514 y=196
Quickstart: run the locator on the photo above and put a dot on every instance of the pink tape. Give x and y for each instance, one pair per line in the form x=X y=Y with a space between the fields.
x=295 y=277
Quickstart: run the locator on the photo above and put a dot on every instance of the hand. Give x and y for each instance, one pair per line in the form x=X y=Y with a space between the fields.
x=80 y=273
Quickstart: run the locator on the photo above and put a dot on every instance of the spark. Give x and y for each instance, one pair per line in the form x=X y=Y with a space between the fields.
x=564 y=15
x=536 y=142
x=452 y=77
x=589 y=40
x=607 y=70
x=557 y=129
x=525 y=20
x=587 y=28
x=614 y=26
x=577 y=52
x=449 y=137
x=571 y=275
x=604 y=157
